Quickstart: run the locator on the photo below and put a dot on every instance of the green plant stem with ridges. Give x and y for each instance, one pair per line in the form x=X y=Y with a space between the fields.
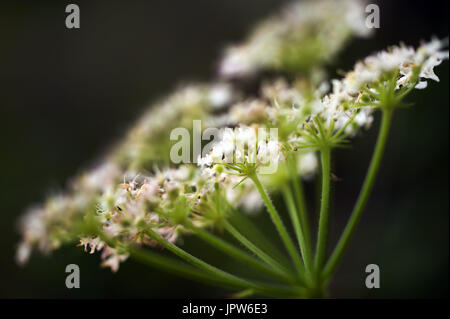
x=239 y=254
x=235 y=252
x=363 y=196
x=254 y=249
x=170 y=265
x=276 y=219
x=288 y=198
x=243 y=294
x=243 y=223
x=301 y=207
x=322 y=236
x=227 y=277
x=178 y=268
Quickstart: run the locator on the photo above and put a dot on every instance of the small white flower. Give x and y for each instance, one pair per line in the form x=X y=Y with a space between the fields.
x=307 y=163
x=23 y=253
x=207 y=160
x=220 y=95
x=112 y=258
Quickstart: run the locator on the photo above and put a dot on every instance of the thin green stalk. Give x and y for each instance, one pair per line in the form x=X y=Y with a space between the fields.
x=178 y=268
x=301 y=207
x=276 y=219
x=254 y=249
x=242 y=294
x=227 y=277
x=287 y=194
x=322 y=236
x=363 y=195
x=242 y=223
x=172 y=266
x=239 y=254
x=190 y=258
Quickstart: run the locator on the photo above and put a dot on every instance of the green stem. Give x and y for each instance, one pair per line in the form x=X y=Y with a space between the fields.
x=242 y=294
x=238 y=254
x=276 y=219
x=363 y=196
x=256 y=250
x=301 y=206
x=188 y=257
x=178 y=268
x=222 y=275
x=243 y=224
x=287 y=194
x=172 y=266
x=322 y=236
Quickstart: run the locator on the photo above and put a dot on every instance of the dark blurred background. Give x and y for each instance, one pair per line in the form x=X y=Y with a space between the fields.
x=67 y=95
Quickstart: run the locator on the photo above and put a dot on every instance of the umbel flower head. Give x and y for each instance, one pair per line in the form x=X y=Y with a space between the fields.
x=245 y=151
x=167 y=198
x=136 y=197
x=301 y=38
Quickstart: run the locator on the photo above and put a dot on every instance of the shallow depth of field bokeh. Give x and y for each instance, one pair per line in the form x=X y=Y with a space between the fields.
x=67 y=95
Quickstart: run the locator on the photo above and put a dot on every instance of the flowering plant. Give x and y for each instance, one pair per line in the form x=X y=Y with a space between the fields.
x=138 y=197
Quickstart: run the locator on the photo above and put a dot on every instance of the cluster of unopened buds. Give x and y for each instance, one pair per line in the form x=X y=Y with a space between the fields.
x=116 y=208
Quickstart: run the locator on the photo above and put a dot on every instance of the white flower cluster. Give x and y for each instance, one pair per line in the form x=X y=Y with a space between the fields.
x=171 y=200
x=49 y=225
x=295 y=110
x=144 y=144
x=306 y=34
x=410 y=64
x=245 y=148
